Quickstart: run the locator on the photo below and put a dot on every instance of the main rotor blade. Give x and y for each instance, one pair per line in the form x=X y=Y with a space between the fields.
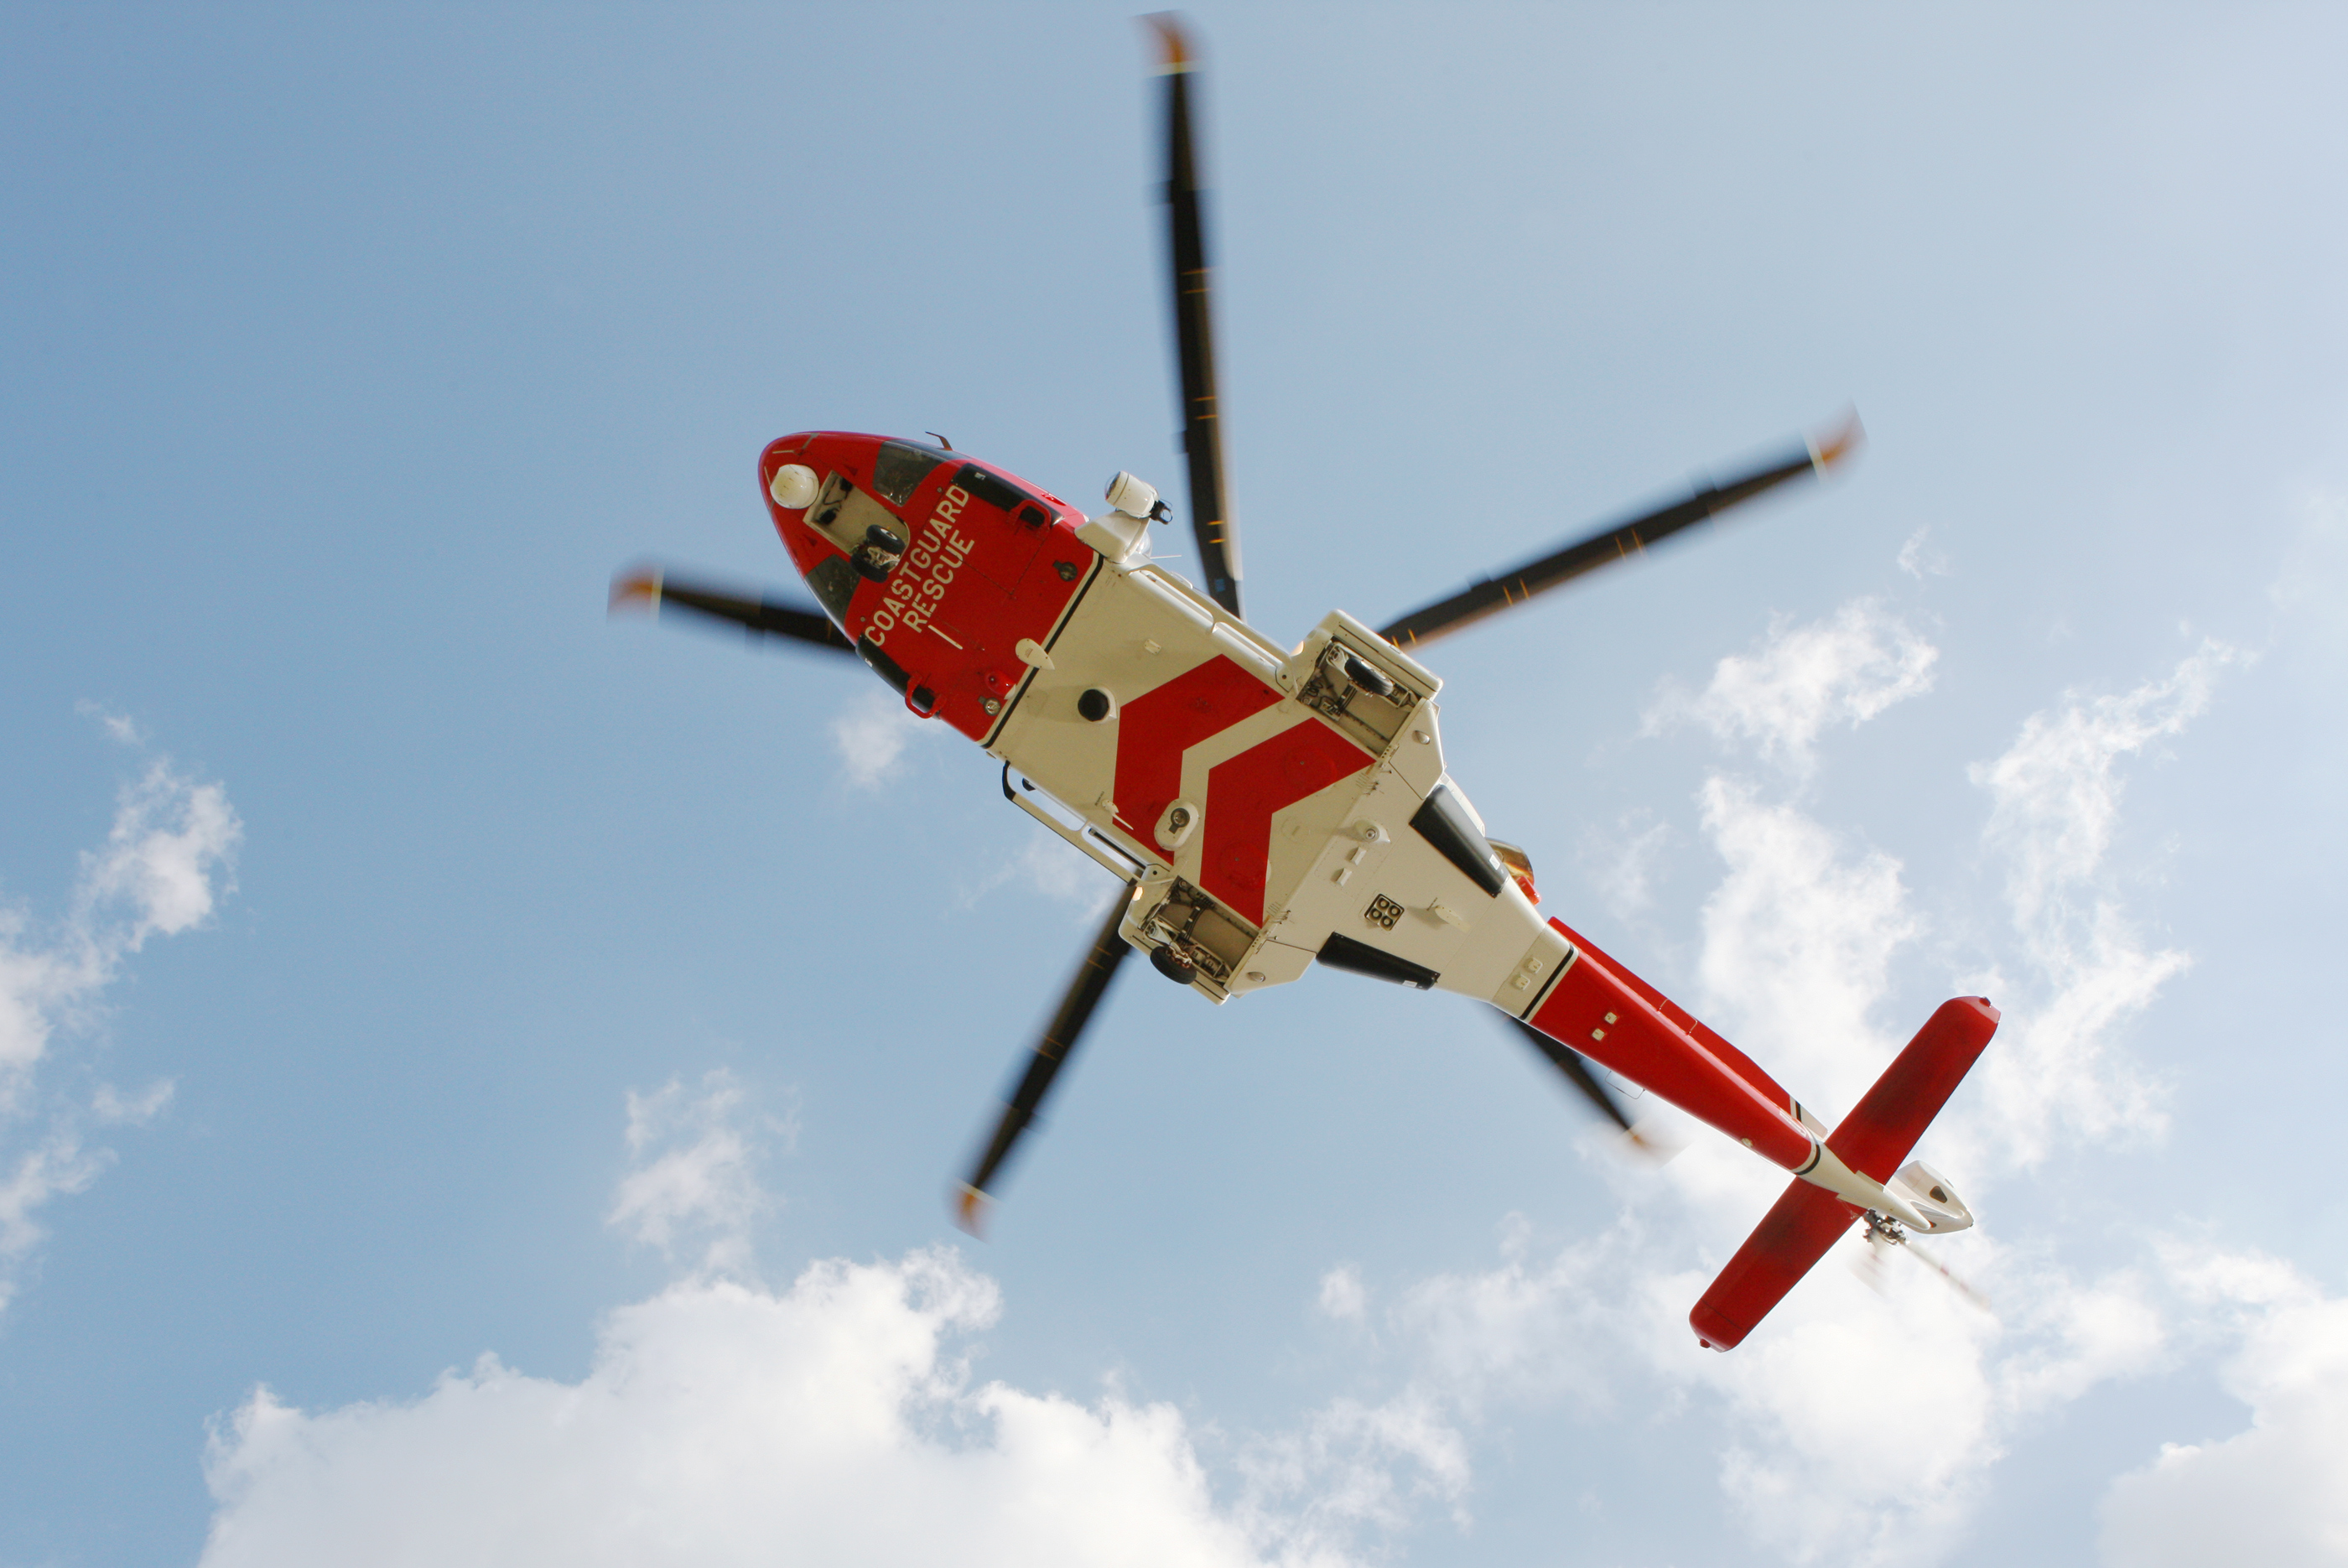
x=1577 y=1071
x=1519 y=584
x=761 y=616
x=1085 y=989
x=1202 y=442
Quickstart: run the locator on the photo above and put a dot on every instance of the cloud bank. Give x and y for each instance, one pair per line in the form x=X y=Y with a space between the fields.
x=832 y=1422
x=2276 y=1494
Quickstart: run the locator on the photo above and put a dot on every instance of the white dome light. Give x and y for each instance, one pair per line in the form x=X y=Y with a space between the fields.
x=1131 y=496
x=793 y=486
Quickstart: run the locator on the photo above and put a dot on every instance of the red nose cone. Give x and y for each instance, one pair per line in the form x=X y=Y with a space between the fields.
x=938 y=566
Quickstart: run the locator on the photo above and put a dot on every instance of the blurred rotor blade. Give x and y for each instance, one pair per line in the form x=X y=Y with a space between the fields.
x=1521 y=583
x=1957 y=1282
x=1202 y=442
x=1089 y=984
x=761 y=617
x=1569 y=1062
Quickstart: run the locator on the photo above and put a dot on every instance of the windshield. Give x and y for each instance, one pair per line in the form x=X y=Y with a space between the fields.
x=901 y=468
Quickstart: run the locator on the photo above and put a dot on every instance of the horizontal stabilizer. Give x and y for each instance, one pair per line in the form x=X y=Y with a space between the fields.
x=1872 y=1140
x=1795 y=1234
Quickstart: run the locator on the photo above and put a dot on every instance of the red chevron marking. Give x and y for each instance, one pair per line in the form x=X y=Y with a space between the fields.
x=1157 y=727
x=1243 y=792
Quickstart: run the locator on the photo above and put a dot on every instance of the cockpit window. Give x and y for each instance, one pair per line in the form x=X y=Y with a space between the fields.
x=901 y=468
x=993 y=492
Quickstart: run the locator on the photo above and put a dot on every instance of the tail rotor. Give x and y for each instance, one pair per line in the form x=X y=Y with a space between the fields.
x=1887 y=1236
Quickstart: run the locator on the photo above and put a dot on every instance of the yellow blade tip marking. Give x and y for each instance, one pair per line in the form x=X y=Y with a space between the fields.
x=1827 y=450
x=643 y=586
x=1174 y=45
x=970 y=1211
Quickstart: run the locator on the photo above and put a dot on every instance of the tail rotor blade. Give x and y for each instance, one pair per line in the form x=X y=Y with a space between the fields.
x=1609 y=545
x=1886 y=1236
x=1202 y=442
x=1957 y=1282
x=1085 y=989
x=761 y=616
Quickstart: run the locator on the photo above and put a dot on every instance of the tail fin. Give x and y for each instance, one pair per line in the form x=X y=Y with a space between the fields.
x=1872 y=1140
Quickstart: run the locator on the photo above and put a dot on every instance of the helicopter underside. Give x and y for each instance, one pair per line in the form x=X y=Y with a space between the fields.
x=1268 y=806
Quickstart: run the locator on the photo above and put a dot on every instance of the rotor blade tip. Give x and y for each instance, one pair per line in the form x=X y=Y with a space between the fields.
x=634 y=587
x=1834 y=446
x=1173 y=43
x=970 y=1207
x=1650 y=1145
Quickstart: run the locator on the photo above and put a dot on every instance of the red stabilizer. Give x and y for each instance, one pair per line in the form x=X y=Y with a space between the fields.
x=1872 y=1140
x=1795 y=1234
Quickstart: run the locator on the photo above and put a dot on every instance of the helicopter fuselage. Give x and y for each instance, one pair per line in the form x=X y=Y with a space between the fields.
x=1270 y=807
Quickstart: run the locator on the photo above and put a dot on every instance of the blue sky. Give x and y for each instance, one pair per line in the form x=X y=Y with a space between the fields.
x=402 y=964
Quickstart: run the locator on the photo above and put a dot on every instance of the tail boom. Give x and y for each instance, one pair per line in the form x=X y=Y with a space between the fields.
x=1611 y=1016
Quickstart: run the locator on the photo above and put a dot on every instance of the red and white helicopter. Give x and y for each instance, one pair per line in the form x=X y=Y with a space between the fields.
x=1272 y=806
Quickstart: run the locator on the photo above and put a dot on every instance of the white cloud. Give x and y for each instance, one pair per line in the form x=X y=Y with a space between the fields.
x=695 y=1181
x=1049 y=864
x=164 y=867
x=109 y=1105
x=2277 y=1492
x=1472 y=1341
x=871 y=735
x=1798 y=941
x=834 y=1422
x=1343 y=1296
x=55 y=1167
x=1861 y=1427
x=1059 y=871
x=2054 y=793
x=2054 y=800
x=1803 y=679
x=119 y=725
x=1622 y=864
x=1354 y=1465
x=171 y=835
x=1914 y=560
x=1868 y=1426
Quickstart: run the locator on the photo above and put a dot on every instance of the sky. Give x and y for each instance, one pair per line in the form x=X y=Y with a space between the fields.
x=479 y=1080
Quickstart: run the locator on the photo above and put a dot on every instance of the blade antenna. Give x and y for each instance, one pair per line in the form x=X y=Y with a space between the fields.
x=1202 y=442
x=1085 y=989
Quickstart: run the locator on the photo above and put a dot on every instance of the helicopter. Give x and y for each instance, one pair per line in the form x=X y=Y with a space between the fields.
x=1270 y=807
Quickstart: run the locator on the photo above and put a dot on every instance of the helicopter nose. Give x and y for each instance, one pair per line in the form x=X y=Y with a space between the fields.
x=793 y=486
